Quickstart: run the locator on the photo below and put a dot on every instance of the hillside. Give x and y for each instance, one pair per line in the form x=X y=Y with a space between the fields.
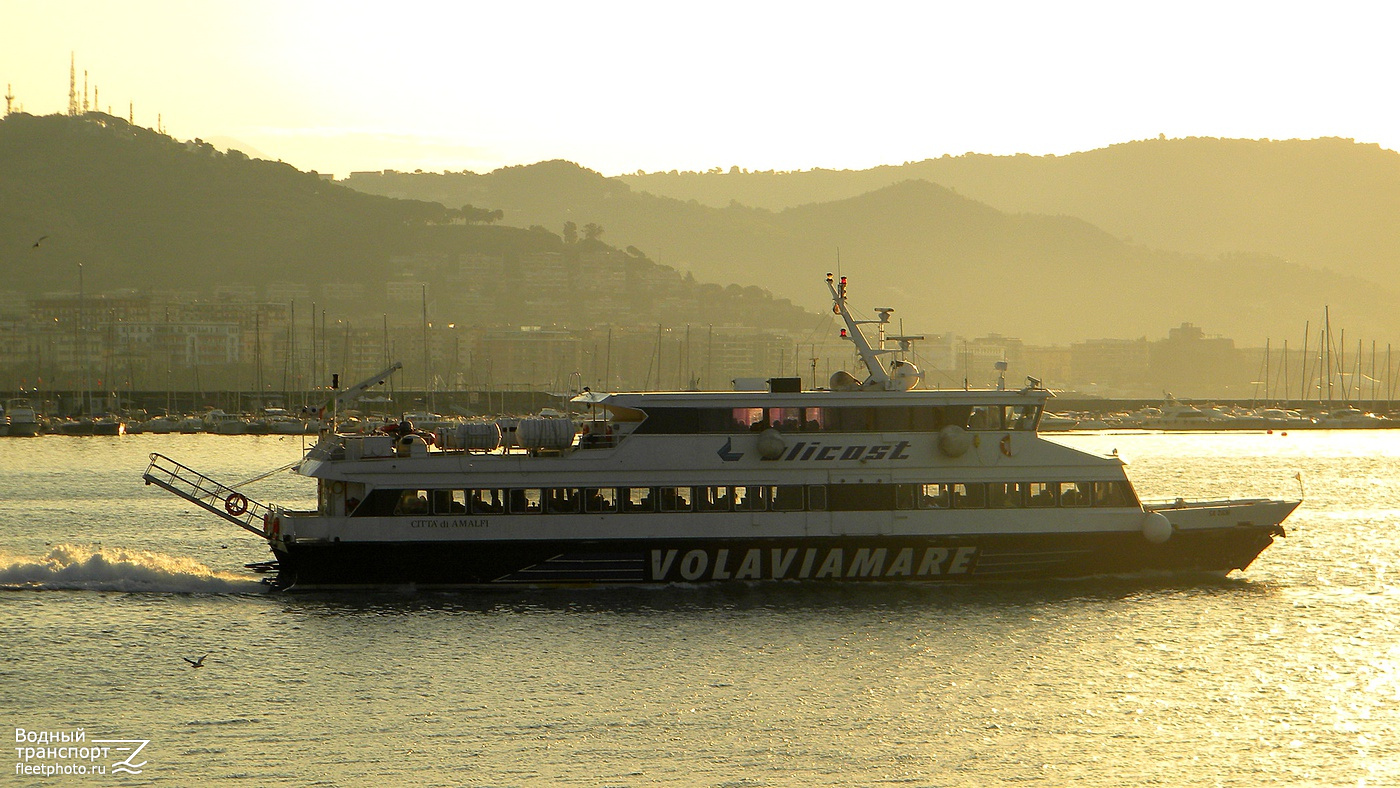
x=1322 y=203
x=946 y=261
x=141 y=210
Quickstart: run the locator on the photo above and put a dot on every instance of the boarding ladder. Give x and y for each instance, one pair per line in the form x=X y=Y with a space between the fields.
x=208 y=494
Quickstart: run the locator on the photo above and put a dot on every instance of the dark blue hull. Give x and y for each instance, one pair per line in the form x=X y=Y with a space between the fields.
x=960 y=559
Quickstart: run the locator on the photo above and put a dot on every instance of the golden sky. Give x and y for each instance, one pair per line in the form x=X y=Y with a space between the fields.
x=623 y=86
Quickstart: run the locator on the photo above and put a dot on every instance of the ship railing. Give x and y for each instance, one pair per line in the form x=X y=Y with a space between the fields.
x=1158 y=505
x=206 y=493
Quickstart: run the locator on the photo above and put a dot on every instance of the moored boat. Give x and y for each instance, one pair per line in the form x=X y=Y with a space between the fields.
x=22 y=419
x=868 y=479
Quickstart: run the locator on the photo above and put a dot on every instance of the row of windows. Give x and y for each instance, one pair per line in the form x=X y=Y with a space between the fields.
x=902 y=418
x=748 y=498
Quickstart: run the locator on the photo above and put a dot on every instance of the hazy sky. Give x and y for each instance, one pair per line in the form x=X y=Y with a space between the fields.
x=618 y=87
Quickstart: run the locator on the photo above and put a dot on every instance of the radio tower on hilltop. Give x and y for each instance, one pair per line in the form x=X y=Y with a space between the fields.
x=72 y=85
x=9 y=98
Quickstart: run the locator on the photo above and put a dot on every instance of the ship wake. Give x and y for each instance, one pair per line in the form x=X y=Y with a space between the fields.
x=73 y=567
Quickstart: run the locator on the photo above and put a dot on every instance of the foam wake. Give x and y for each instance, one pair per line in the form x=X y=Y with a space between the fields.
x=115 y=569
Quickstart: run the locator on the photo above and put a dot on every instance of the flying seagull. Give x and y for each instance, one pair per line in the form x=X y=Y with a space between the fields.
x=36 y=243
x=198 y=663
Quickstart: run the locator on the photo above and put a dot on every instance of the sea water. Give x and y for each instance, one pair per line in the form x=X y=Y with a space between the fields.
x=1285 y=674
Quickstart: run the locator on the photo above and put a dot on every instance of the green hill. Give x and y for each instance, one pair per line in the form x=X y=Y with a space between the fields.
x=141 y=210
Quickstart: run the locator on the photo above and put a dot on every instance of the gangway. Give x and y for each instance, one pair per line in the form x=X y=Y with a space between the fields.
x=206 y=493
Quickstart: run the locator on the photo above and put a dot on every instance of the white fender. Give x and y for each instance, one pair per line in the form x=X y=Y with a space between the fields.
x=953 y=441
x=771 y=444
x=1157 y=528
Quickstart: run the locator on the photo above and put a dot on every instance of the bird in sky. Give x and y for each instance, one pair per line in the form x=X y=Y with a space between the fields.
x=198 y=663
x=36 y=243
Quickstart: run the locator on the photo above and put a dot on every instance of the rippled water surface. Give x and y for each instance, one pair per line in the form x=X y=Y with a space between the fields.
x=1286 y=674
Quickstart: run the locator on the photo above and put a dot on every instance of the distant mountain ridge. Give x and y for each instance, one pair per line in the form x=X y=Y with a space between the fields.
x=947 y=261
x=1326 y=202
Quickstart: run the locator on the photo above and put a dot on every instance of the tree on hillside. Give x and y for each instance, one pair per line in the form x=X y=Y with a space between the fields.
x=592 y=231
x=570 y=233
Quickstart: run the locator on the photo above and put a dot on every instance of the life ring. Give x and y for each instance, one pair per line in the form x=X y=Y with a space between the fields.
x=276 y=531
x=337 y=487
x=1006 y=445
x=236 y=504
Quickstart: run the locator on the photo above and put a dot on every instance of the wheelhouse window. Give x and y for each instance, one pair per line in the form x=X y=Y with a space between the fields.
x=985 y=417
x=1113 y=494
x=816 y=498
x=1022 y=417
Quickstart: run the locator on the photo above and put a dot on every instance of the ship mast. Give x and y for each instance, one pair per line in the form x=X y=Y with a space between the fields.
x=879 y=377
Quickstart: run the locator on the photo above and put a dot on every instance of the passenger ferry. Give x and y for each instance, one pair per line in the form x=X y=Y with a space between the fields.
x=867 y=480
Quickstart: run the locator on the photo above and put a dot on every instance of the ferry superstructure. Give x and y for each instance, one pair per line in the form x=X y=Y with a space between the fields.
x=873 y=480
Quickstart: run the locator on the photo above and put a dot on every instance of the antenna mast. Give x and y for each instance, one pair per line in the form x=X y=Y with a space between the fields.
x=879 y=376
x=72 y=84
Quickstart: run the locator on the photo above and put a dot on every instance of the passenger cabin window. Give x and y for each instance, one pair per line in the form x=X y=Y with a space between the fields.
x=674 y=499
x=787 y=498
x=879 y=497
x=969 y=496
x=711 y=499
x=1042 y=495
x=794 y=420
x=600 y=500
x=747 y=419
x=749 y=499
x=412 y=502
x=935 y=496
x=529 y=501
x=486 y=501
x=1076 y=494
x=449 y=502
x=1003 y=495
x=637 y=499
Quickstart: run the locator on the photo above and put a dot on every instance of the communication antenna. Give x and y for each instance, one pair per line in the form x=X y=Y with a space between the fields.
x=85 y=91
x=72 y=84
x=9 y=98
